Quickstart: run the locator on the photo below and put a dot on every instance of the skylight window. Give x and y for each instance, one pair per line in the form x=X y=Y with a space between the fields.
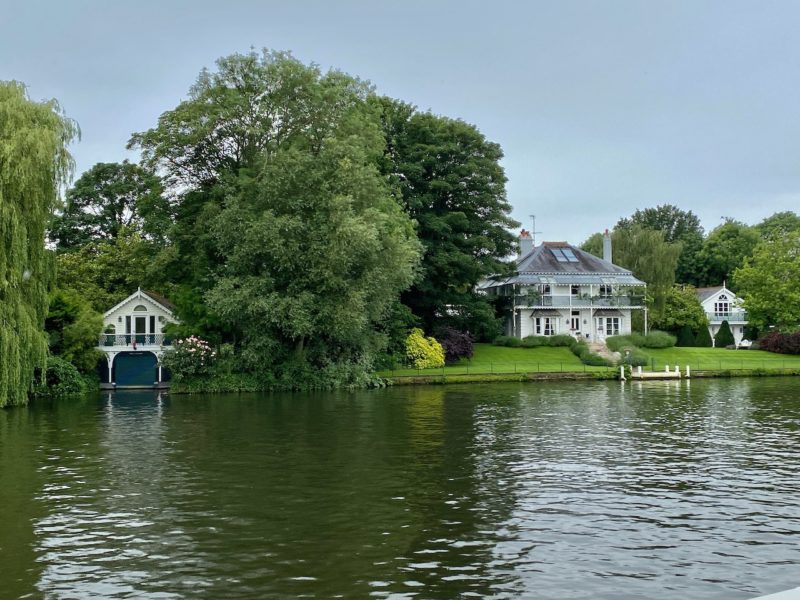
x=569 y=254
x=557 y=252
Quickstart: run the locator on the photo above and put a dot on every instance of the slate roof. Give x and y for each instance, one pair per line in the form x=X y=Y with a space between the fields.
x=704 y=293
x=160 y=299
x=542 y=265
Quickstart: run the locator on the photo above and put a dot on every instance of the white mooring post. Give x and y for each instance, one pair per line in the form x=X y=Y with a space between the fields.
x=666 y=368
x=639 y=370
x=678 y=371
x=688 y=372
x=622 y=373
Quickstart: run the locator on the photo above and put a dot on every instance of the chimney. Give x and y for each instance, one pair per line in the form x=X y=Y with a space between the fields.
x=525 y=243
x=607 y=247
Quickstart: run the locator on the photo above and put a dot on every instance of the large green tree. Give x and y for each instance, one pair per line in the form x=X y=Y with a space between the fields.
x=724 y=250
x=287 y=239
x=677 y=225
x=681 y=308
x=768 y=283
x=34 y=164
x=451 y=183
x=108 y=198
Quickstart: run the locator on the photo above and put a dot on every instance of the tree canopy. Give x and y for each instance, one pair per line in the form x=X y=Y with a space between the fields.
x=767 y=282
x=779 y=223
x=287 y=239
x=681 y=308
x=725 y=249
x=34 y=164
x=108 y=198
x=451 y=183
x=677 y=225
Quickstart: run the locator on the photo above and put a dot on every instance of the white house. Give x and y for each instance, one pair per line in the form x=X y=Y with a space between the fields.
x=133 y=341
x=560 y=289
x=720 y=305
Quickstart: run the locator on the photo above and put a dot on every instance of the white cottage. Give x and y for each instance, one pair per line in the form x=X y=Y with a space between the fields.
x=133 y=341
x=560 y=289
x=721 y=304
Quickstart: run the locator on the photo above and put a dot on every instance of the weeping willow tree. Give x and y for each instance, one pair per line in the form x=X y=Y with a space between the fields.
x=34 y=164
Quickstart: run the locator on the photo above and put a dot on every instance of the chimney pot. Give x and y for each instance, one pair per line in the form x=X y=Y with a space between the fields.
x=607 y=247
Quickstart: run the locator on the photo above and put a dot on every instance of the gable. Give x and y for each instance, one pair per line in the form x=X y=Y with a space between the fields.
x=148 y=301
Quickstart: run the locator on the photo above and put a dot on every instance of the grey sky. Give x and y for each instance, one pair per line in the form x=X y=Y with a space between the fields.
x=600 y=107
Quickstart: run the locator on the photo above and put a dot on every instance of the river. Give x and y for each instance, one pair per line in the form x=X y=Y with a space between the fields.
x=550 y=490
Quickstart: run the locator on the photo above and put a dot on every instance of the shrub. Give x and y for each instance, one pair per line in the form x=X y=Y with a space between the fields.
x=456 y=344
x=424 y=352
x=685 y=336
x=561 y=340
x=782 y=343
x=60 y=379
x=534 y=341
x=703 y=339
x=189 y=357
x=658 y=339
x=724 y=336
x=590 y=358
x=634 y=357
x=501 y=340
x=616 y=342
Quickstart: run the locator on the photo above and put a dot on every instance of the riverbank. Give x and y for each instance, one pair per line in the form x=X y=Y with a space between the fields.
x=609 y=375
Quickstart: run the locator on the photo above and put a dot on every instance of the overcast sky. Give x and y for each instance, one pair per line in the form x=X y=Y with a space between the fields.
x=600 y=107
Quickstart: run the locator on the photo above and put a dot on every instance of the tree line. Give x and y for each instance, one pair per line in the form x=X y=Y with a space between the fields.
x=669 y=249
x=294 y=216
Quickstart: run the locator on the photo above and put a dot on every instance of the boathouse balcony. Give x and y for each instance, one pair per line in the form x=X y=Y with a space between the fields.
x=731 y=316
x=126 y=341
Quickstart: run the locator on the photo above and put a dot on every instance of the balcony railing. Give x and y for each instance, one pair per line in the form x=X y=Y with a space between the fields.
x=567 y=301
x=127 y=339
x=731 y=315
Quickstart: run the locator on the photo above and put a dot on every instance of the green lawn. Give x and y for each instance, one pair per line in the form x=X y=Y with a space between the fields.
x=499 y=359
x=720 y=359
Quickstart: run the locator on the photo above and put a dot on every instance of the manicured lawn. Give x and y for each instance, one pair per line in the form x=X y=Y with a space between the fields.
x=720 y=359
x=499 y=359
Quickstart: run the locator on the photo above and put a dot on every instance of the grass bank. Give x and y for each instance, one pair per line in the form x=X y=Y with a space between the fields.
x=497 y=363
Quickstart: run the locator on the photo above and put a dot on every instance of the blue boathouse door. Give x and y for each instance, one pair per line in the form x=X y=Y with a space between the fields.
x=135 y=369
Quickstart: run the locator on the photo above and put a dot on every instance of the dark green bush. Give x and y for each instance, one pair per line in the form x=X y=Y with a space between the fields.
x=724 y=336
x=685 y=336
x=658 y=339
x=703 y=339
x=501 y=340
x=616 y=343
x=61 y=379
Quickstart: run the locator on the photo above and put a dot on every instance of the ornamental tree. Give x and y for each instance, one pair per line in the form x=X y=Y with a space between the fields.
x=724 y=337
x=424 y=352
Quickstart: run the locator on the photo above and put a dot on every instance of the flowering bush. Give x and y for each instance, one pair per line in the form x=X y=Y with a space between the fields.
x=422 y=352
x=190 y=357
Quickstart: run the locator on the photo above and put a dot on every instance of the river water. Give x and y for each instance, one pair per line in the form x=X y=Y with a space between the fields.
x=550 y=490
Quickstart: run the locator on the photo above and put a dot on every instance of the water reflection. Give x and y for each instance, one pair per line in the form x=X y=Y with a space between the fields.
x=595 y=490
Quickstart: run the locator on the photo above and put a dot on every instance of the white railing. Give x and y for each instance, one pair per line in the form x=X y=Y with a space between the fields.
x=128 y=339
x=567 y=300
x=731 y=315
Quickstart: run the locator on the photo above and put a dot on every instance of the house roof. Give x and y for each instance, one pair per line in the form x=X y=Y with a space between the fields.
x=138 y=294
x=704 y=293
x=563 y=263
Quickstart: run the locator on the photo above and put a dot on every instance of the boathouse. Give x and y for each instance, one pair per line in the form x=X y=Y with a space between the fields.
x=133 y=342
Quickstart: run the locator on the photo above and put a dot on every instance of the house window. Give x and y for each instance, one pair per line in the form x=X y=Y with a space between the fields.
x=544 y=325
x=140 y=308
x=576 y=290
x=722 y=307
x=544 y=289
x=612 y=325
x=605 y=290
